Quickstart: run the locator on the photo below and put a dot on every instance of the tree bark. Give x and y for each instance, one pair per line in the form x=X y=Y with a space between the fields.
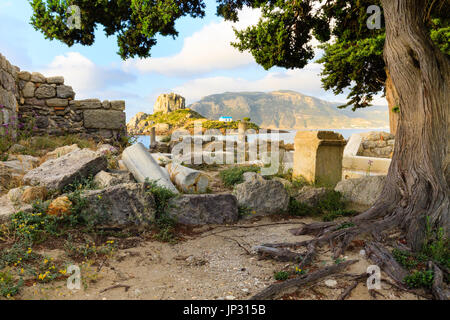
x=392 y=99
x=416 y=189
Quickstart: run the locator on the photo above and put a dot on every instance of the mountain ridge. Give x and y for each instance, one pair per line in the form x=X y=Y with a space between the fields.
x=288 y=109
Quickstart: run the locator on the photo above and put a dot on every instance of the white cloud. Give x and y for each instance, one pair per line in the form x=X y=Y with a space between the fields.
x=206 y=50
x=85 y=76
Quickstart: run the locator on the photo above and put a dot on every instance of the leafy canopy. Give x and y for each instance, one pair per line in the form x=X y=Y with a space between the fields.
x=352 y=53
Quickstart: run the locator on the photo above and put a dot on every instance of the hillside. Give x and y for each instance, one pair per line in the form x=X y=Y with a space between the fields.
x=289 y=110
x=165 y=123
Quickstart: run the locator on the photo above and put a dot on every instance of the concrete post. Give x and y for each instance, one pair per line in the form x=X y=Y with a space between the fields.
x=152 y=137
x=318 y=157
x=242 y=139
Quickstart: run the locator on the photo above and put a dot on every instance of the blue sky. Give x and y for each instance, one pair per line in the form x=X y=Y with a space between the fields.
x=198 y=63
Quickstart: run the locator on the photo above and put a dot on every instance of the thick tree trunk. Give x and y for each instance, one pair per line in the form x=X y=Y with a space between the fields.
x=416 y=187
x=392 y=99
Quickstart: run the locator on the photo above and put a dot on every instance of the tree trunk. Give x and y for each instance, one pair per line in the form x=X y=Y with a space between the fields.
x=392 y=99
x=416 y=188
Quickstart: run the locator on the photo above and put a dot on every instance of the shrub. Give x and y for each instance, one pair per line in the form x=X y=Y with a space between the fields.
x=163 y=221
x=233 y=176
x=300 y=209
x=281 y=275
x=419 y=279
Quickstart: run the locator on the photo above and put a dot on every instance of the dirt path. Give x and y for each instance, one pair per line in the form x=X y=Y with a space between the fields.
x=217 y=264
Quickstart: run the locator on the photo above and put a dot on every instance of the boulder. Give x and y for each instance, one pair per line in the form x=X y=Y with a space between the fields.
x=200 y=209
x=15 y=195
x=58 y=173
x=310 y=195
x=362 y=191
x=59 y=152
x=286 y=183
x=59 y=207
x=32 y=194
x=38 y=77
x=65 y=92
x=8 y=208
x=19 y=164
x=16 y=148
x=262 y=196
x=28 y=90
x=55 y=80
x=123 y=204
x=45 y=91
x=105 y=179
x=107 y=149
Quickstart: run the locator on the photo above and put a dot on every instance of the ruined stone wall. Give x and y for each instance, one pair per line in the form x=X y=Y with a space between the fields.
x=48 y=106
x=9 y=94
x=377 y=144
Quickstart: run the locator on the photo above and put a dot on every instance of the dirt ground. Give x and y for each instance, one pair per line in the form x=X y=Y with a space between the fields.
x=215 y=263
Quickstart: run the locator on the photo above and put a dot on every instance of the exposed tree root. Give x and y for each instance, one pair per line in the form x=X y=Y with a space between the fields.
x=439 y=288
x=347 y=291
x=278 y=289
x=384 y=259
x=278 y=254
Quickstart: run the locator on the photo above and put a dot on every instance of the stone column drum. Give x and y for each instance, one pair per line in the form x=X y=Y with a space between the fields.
x=318 y=156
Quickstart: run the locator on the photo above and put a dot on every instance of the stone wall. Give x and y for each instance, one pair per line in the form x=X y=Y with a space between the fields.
x=377 y=144
x=45 y=105
x=9 y=94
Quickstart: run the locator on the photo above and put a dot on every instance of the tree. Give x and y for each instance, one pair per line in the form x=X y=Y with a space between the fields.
x=415 y=68
x=135 y=22
x=409 y=58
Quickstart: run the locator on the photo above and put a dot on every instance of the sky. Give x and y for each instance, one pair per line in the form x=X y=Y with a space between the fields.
x=198 y=63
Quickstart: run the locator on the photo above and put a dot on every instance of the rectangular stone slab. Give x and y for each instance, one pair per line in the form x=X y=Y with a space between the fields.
x=104 y=119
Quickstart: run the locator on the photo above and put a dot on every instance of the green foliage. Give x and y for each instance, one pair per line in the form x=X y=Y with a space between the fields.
x=345 y=225
x=396 y=109
x=300 y=209
x=281 y=275
x=222 y=125
x=9 y=287
x=243 y=211
x=136 y=23
x=177 y=118
x=436 y=245
x=233 y=176
x=419 y=279
x=353 y=59
x=81 y=184
x=407 y=259
x=166 y=139
x=163 y=221
x=282 y=37
x=330 y=207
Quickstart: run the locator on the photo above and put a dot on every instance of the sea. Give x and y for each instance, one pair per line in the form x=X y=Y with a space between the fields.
x=287 y=137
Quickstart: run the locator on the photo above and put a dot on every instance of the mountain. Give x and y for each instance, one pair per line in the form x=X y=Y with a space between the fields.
x=289 y=110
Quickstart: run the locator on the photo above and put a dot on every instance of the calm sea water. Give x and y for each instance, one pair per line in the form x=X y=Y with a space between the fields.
x=286 y=137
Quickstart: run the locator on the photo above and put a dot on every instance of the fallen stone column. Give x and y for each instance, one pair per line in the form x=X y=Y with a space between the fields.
x=143 y=166
x=187 y=179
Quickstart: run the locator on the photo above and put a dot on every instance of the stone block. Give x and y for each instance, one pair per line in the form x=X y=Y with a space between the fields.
x=45 y=91
x=104 y=119
x=318 y=156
